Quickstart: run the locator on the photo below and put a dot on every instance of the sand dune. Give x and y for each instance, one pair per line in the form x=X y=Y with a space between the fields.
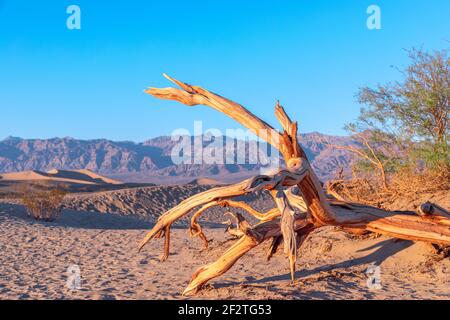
x=206 y=182
x=64 y=176
x=82 y=175
x=150 y=202
x=24 y=176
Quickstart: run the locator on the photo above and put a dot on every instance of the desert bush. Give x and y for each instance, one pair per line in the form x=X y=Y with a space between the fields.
x=403 y=133
x=414 y=113
x=404 y=183
x=42 y=202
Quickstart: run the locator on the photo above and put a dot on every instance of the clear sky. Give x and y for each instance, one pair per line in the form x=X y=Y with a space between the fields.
x=313 y=55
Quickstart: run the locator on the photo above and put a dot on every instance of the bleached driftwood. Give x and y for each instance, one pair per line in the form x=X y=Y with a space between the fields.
x=282 y=224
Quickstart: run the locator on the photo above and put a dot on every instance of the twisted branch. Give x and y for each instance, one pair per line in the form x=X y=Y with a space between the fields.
x=433 y=226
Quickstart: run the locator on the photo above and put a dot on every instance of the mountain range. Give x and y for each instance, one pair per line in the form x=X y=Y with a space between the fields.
x=150 y=161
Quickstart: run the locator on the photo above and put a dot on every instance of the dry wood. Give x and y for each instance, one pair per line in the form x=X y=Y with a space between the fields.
x=269 y=215
x=282 y=178
x=282 y=222
x=428 y=209
x=287 y=229
x=195 y=229
x=235 y=232
x=260 y=233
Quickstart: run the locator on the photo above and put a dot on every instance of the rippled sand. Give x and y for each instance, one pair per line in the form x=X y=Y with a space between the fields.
x=35 y=257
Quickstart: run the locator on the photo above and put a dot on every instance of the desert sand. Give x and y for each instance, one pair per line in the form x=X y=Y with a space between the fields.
x=82 y=176
x=35 y=257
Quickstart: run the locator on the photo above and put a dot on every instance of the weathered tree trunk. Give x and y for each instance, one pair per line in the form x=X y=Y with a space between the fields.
x=282 y=222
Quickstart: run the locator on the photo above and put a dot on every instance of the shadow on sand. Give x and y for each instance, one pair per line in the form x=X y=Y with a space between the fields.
x=78 y=219
x=90 y=220
x=384 y=249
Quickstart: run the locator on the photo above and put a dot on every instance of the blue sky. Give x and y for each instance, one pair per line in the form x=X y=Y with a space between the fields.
x=313 y=55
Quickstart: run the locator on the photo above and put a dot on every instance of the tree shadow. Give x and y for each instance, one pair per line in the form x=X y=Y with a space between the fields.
x=384 y=250
x=77 y=219
x=91 y=220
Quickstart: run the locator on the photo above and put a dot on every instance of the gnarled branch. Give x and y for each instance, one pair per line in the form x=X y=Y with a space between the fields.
x=320 y=211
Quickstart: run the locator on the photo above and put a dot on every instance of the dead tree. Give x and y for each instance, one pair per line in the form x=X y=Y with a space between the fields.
x=282 y=224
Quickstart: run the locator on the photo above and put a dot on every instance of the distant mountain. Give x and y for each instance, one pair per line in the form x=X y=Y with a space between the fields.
x=150 y=161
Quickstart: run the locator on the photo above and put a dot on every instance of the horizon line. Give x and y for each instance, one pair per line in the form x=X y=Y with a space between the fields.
x=11 y=137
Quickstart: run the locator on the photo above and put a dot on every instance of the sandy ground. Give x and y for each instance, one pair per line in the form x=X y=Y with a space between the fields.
x=35 y=257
